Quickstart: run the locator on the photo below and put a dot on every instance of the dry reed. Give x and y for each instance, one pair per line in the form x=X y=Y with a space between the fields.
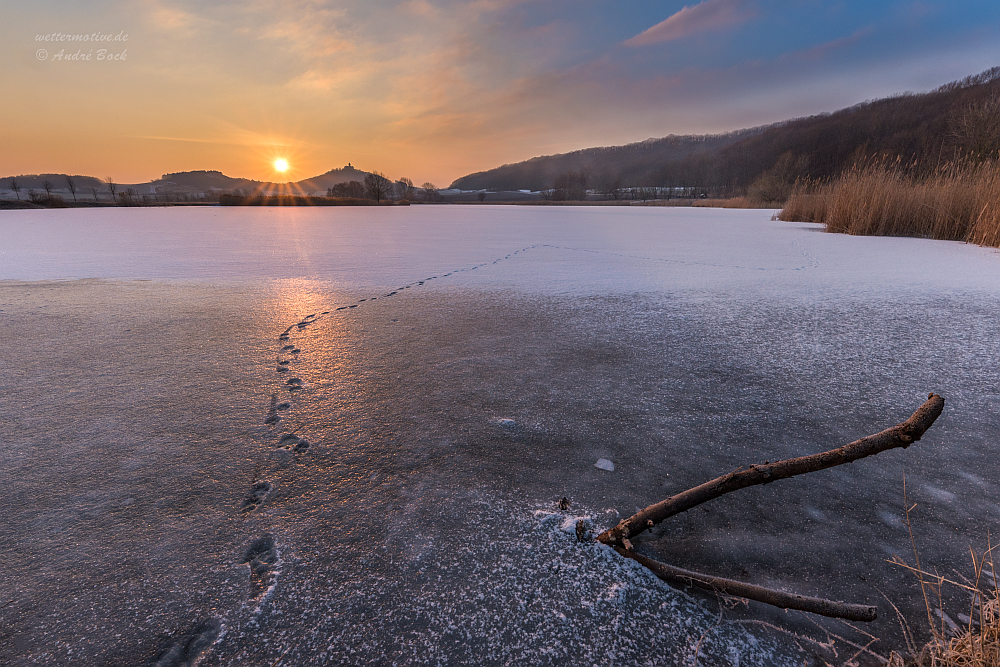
x=734 y=202
x=730 y=202
x=958 y=202
x=977 y=644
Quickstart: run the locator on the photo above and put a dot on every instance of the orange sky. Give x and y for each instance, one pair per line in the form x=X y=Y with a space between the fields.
x=435 y=90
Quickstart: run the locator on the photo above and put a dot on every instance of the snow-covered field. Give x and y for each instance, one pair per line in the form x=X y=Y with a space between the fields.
x=338 y=436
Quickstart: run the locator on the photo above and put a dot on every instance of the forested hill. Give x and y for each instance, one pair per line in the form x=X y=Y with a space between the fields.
x=631 y=163
x=960 y=118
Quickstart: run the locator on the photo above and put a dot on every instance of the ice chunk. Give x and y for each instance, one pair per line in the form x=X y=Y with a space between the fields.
x=568 y=524
x=604 y=464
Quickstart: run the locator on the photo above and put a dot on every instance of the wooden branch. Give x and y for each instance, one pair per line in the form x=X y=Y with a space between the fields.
x=851 y=612
x=901 y=435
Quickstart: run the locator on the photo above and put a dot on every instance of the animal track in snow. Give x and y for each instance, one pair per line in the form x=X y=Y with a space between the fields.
x=293 y=443
x=262 y=557
x=188 y=650
x=258 y=494
x=272 y=414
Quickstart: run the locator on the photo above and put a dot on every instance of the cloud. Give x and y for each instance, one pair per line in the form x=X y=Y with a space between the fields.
x=170 y=20
x=822 y=51
x=705 y=16
x=236 y=137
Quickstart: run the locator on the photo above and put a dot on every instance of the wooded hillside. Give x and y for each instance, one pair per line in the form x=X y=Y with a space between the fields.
x=960 y=118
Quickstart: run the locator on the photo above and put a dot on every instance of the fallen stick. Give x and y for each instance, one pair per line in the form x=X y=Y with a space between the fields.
x=845 y=610
x=900 y=435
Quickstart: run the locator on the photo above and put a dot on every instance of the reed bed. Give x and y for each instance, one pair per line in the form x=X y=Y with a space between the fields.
x=734 y=202
x=958 y=202
x=727 y=202
x=974 y=643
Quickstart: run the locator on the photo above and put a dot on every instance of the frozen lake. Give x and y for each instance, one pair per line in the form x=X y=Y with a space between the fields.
x=379 y=485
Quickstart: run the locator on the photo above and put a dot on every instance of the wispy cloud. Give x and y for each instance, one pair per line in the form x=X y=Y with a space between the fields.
x=235 y=137
x=821 y=51
x=703 y=17
x=193 y=140
x=170 y=19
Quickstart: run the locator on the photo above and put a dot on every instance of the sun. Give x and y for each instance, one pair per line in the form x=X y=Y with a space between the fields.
x=281 y=164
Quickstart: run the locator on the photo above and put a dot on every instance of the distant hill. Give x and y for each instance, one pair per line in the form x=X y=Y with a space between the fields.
x=200 y=181
x=631 y=163
x=208 y=181
x=215 y=181
x=318 y=184
x=959 y=118
x=182 y=183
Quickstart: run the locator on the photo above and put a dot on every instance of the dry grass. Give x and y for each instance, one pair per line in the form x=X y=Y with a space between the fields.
x=735 y=202
x=974 y=644
x=805 y=207
x=959 y=202
x=731 y=202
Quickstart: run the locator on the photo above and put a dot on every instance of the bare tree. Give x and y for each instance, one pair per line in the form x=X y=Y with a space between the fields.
x=71 y=184
x=405 y=188
x=614 y=190
x=430 y=191
x=47 y=184
x=643 y=193
x=377 y=186
x=112 y=187
x=94 y=190
x=976 y=129
x=16 y=187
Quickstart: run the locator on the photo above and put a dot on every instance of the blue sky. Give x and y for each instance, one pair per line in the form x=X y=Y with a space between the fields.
x=436 y=89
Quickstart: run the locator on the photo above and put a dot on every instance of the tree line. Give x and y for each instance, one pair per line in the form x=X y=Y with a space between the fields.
x=45 y=196
x=376 y=186
x=35 y=196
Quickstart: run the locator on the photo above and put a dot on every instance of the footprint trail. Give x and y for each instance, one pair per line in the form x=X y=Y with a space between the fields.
x=262 y=555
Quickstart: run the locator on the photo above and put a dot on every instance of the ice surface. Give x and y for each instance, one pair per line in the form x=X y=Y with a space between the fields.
x=340 y=435
x=561 y=250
